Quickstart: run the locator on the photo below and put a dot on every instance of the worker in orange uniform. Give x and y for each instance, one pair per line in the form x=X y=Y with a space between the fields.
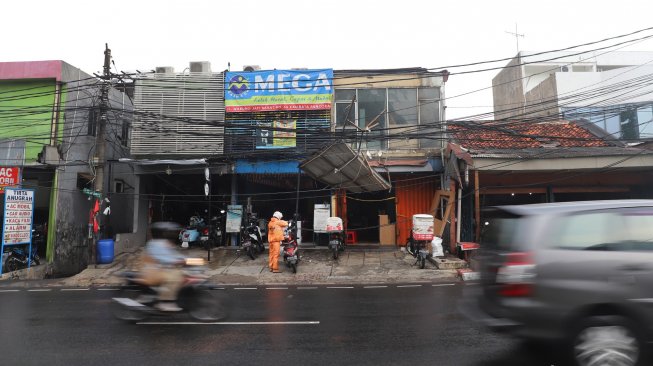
x=275 y=236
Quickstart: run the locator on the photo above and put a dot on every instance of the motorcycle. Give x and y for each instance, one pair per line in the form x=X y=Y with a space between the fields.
x=138 y=300
x=254 y=233
x=190 y=235
x=17 y=257
x=335 y=231
x=211 y=235
x=251 y=240
x=420 y=235
x=290 y=248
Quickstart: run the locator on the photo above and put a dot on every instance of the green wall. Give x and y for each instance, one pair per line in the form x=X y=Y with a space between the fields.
x=26 y=108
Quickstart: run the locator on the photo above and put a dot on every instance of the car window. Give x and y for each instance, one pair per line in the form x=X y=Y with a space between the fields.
x=581 y=231
x=613 y=230
x=636 y=233
x=499 y=230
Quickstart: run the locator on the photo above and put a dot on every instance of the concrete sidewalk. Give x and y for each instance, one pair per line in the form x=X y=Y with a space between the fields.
x=317 y=267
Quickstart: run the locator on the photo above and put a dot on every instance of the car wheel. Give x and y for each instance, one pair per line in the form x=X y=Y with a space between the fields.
x=606 y=340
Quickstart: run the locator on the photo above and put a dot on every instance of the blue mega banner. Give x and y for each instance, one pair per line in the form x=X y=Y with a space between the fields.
x=278 y=90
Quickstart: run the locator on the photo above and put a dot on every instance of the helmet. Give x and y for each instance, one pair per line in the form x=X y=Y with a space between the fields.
x=165 y=230
x=277 y=214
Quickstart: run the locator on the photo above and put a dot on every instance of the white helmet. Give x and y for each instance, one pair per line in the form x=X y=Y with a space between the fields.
x=277 y=214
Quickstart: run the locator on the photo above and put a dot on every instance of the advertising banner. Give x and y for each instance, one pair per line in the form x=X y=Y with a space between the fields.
x=321 y=214
x=234 y=218
x=278 y=90
x=9 y=177
x=19 y=211
x=274 y=138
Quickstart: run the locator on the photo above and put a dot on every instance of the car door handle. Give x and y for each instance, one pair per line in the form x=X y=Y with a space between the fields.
x=633 y=267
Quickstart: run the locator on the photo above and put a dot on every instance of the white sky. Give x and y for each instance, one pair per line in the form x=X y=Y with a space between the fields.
x=349 y=34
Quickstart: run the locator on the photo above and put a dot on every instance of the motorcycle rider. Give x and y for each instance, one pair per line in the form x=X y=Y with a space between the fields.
x=275 y=236
x=161 y=264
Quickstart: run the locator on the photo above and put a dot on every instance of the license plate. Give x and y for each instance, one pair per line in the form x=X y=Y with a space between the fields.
x=334 y=242
x=184 y=244
x=204 y=238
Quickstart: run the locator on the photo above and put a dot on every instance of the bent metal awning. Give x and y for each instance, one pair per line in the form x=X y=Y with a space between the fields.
x=340 y=167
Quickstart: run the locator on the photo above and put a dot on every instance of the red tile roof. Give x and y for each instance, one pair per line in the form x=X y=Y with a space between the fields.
x=522 y=135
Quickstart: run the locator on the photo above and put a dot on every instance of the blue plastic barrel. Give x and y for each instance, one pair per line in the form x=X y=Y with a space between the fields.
x=105 y=251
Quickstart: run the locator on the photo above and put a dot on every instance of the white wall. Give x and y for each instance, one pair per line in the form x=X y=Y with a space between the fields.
x=586 y=82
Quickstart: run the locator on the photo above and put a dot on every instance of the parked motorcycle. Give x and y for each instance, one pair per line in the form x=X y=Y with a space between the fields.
x=421 y=235
x=254 y=233
x=290 y=248
x=335 y=231
x=17 y=257
x=190 y=235
x=138 y=300
x=211 y=234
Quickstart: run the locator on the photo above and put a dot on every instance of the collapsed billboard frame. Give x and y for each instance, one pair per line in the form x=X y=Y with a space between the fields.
x=340 y=167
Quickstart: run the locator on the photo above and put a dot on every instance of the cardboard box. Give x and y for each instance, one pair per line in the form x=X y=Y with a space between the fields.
x=383 y=220
x=387 y=235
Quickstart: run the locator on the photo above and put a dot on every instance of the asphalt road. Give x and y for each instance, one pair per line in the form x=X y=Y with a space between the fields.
x=281 y=325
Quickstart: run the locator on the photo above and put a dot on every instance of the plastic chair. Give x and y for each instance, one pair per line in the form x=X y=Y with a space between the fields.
x=352 y=238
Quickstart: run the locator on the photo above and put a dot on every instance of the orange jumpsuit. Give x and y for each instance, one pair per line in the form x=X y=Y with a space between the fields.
x=275 y=236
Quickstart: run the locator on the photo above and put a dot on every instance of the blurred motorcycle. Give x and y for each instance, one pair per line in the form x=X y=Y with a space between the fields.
x=137 y=300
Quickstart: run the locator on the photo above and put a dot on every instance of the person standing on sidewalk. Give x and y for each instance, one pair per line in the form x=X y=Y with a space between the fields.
x=275 y=236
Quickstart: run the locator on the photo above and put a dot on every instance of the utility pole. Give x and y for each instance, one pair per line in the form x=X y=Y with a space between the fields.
x=100 y=158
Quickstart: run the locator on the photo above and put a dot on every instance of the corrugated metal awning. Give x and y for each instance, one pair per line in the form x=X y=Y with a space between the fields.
x=340 y=167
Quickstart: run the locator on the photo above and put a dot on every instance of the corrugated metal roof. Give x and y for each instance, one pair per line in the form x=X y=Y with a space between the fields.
x=340 y=167
x=178 y=115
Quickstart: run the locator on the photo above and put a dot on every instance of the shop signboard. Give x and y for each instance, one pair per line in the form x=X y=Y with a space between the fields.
x=321 y=214
x=9 y=177
x=234 y=218
x=18 y=217
x=278 y=90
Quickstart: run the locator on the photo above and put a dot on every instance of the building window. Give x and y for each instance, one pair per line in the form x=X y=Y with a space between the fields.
x=93 y=120
x=124 y=133
x=627 y=121
x=345 y=100
x=429 y=118
x=371 y=112
x=394 y=114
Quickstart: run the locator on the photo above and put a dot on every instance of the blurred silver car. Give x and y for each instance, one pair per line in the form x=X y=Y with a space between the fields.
x=580 y=272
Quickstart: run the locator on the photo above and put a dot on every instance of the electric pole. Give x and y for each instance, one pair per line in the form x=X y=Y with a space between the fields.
x=99 y=138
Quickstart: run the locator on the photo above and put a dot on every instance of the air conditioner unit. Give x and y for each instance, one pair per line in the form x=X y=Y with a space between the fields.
x=250 y=68
x=564 y=69
x=165 y=69
x=200 y=66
